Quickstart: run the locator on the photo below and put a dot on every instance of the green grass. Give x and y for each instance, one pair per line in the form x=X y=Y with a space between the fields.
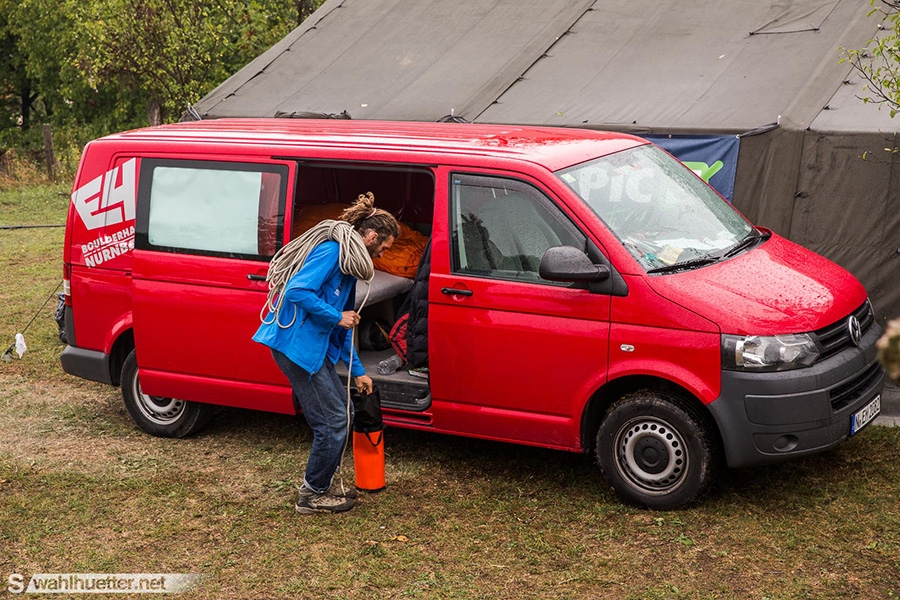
x=32 y=267
x=83 y=491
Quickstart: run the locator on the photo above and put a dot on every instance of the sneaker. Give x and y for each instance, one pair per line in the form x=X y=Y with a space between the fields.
x=310 y=502
x=343 y=491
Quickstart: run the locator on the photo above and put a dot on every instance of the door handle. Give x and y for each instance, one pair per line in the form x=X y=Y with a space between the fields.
x=255 y=277
x=456 y=292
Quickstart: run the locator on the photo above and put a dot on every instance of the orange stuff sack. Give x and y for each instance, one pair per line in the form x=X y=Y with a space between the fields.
x=402 y=258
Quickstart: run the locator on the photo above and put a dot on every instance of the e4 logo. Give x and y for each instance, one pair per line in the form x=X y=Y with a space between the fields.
x=100 y=202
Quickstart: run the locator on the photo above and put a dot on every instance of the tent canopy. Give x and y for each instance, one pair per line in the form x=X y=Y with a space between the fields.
x=727 y=66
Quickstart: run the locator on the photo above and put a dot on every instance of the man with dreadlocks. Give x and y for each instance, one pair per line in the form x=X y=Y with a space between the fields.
x=309 y=311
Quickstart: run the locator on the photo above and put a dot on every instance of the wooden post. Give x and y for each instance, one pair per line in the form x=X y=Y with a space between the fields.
x=154 y=115
x=48 y=151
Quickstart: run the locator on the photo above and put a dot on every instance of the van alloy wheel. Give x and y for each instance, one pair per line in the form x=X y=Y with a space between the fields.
x=157 y=415
x=656 y=449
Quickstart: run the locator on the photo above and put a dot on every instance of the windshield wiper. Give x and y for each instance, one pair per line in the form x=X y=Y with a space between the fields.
x=751 y=239
x=745 y=243
x=688 y=264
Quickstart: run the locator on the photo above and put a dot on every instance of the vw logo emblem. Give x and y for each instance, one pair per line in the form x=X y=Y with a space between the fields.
x=854 y=329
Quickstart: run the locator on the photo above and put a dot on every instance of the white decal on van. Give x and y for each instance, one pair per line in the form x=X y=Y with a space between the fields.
x=107 y=247
x=100 y=202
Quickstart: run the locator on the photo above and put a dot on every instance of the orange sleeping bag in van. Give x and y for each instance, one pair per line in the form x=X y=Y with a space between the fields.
x=401 y=259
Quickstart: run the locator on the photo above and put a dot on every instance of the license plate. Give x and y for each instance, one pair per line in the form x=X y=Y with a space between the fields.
x=862 y=417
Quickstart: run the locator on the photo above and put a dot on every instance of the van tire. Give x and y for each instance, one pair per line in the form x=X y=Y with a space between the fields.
x=158 y=416
x=655 y=450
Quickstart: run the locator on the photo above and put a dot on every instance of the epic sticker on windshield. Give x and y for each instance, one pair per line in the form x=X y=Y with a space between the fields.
x=106 y=201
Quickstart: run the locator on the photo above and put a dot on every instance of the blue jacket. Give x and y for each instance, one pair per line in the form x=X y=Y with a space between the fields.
x=319 y=293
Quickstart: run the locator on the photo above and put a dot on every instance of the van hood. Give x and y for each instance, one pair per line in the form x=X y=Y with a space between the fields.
x=776 y=288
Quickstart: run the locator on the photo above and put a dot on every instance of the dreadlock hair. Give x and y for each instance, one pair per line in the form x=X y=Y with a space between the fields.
x=363 y=216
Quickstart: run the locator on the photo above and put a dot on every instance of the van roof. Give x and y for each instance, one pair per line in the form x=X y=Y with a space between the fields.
x=552 y=147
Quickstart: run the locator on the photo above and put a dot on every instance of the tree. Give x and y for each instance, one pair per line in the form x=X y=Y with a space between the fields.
x=176 y=51
x=16 y=91
x=879 y=62
x=43 y=39
x=91 y=67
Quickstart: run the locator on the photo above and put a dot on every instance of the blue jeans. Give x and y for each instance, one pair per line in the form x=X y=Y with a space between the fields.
x=323 y=400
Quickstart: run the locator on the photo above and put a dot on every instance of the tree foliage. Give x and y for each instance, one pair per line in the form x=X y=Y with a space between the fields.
x=99 y=64
x=879 y=62
x=178 y=50
x=16 y=94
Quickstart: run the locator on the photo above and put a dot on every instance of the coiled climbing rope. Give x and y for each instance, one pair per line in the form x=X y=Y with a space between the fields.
x=354 y=260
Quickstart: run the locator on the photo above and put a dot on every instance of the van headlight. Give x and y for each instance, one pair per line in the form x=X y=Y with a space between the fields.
x=768 y=353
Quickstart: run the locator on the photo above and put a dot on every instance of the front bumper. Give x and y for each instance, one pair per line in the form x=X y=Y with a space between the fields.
x=770 y=417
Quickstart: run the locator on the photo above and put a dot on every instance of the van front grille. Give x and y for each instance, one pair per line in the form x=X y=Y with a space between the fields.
x=835 y=337
x=846 y=393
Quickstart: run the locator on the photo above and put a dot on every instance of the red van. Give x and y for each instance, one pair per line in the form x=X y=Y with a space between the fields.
x=587 y=292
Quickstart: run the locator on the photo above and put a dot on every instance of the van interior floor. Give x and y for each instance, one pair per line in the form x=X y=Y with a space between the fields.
x=399 y=390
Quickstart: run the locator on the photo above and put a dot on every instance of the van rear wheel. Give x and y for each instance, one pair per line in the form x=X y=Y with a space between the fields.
x=655 y=450
x=157 y=415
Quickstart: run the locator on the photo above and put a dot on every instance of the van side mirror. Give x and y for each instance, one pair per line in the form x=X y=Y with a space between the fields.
x=565 y=263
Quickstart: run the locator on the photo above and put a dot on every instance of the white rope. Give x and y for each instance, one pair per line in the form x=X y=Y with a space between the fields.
x=354 y=260
x=340 y=472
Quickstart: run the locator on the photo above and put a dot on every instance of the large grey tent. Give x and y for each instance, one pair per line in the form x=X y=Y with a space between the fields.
x=767 y=71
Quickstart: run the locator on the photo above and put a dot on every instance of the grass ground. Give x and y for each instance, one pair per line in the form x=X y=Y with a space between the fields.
x=83 y=491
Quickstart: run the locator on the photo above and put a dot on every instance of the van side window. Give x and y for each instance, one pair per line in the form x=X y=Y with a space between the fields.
x=502 y=227
x=216 y=208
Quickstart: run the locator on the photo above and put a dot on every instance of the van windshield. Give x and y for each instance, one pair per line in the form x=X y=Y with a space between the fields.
x=661 y=212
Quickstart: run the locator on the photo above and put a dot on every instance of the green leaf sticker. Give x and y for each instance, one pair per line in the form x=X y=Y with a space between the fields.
x=704 y=170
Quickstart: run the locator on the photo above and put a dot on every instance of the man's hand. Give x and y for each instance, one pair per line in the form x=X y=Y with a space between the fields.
x=349 y=319
x=363 y=384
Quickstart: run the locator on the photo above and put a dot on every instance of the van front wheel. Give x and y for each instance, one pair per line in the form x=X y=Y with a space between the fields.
x=159 y=416
x=655 y=450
